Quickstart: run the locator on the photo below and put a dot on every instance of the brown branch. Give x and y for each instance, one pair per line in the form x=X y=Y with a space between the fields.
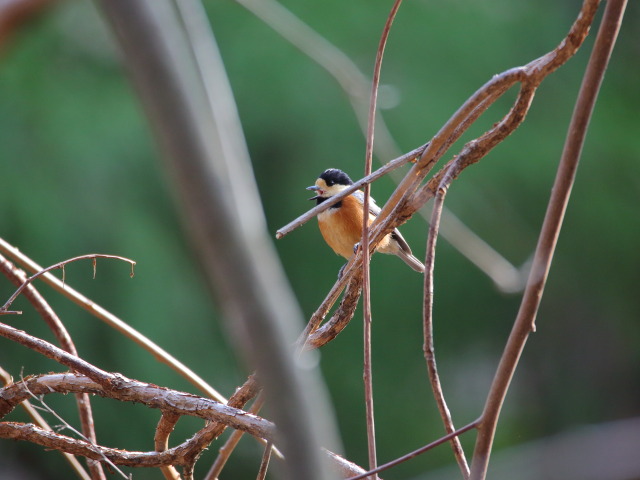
x=264 y=464
x=60 y=265
x=407 y=199
x=343 y=315
x=388 y=167
x=238 y=400
x=227 y=449
x=366 y=256
x=51 y=351
x=18 y=278
x=127 y=390
x=164 y=429
x=417 y=452
x=429 y=351
x=42 y=423
x=552 y=223
x=345 y=467
x=50 y=440
x=114 y=322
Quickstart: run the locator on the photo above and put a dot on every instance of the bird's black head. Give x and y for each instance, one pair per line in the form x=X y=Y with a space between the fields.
x=333 y=176
x=329 y=183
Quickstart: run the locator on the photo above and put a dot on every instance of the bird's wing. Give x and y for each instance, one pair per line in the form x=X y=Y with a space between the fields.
x=373 y=208
x=375 y=211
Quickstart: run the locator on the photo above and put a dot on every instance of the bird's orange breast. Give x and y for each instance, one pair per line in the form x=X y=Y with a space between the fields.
x=341 y=227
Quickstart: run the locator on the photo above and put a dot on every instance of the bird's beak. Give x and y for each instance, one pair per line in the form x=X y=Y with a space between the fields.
x=315 y=188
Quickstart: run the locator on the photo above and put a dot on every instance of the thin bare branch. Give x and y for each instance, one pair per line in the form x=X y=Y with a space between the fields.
x=227 y=449
x=42 y=423
x=366 y=255
x=345 y=467
x=417 y=452
x=264 y=464
x=57 y=266
x=128 y=390
x=552 y=223
x=165 y=426
x=343 y=314
x=114 y=322
x=390 y=166
x=408 y=198
x=18 y=278
x=429 y=350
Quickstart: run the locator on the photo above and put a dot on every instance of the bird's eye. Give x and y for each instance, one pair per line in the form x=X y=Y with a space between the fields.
x=330 y=183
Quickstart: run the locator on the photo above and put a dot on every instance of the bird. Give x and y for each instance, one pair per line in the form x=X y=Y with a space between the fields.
x=341 y=224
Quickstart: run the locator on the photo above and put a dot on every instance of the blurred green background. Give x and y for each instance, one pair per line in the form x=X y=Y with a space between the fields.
x=81 y=174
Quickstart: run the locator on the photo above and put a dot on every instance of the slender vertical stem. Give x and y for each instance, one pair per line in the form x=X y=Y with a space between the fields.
x=366 y=288
x=227 y=449
x=264 y=464
x=561 y=191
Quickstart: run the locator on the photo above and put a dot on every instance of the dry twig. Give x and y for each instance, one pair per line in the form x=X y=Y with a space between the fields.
x=429 y=352
x=61 y=265
x=42 y=423
x=525 y=320
x=366 y=279
x=18 y=278
x=165 y=426
x=111 y=320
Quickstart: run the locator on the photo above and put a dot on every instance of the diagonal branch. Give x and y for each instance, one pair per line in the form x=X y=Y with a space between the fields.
x=112 y=321
x=561 y=191
x=128 y=390
x=388 y=167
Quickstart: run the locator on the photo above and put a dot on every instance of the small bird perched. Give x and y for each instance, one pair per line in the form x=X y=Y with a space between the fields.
x=341 y=224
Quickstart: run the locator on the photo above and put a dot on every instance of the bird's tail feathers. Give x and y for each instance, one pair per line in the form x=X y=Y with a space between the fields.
x=412 y=261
